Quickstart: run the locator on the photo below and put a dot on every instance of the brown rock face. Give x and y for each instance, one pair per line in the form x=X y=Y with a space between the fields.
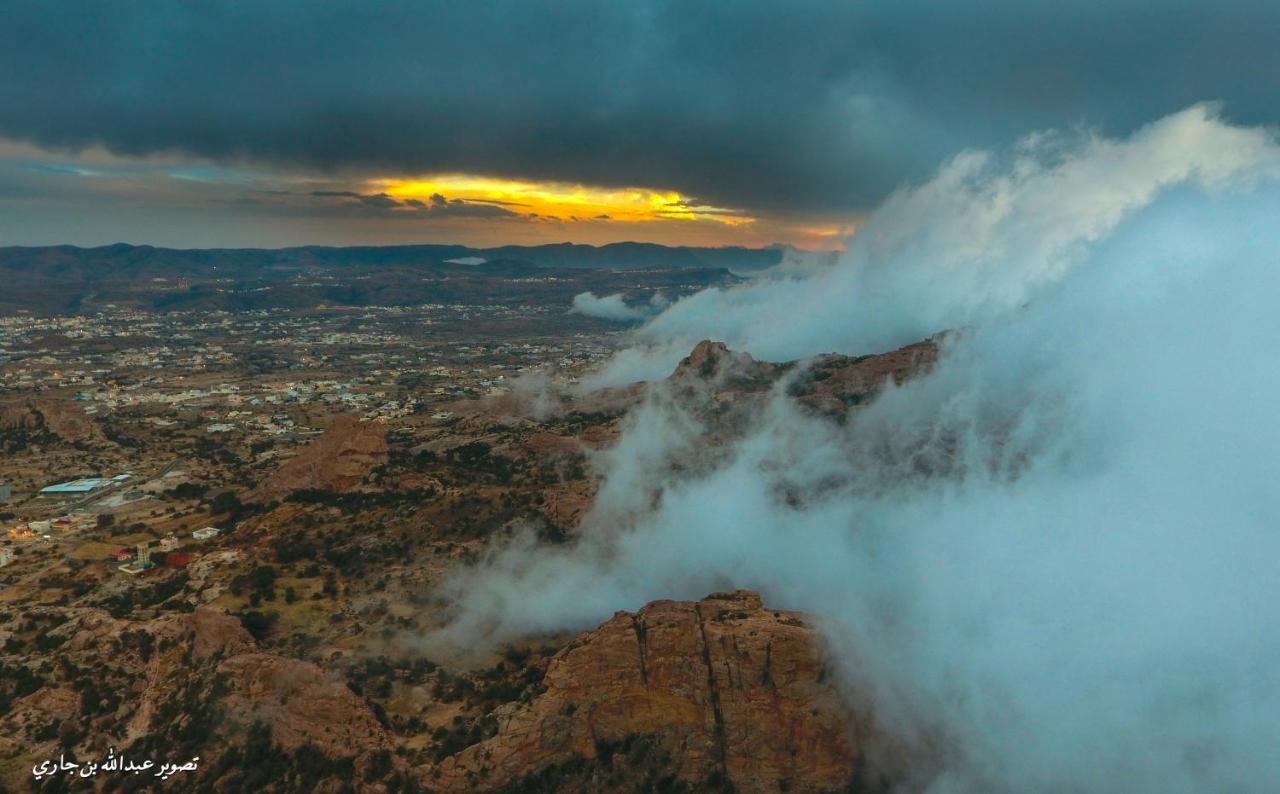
x=302 y=704
x=299 y=701
x=337 y=461
x=707 y=358
x=565 y=504
x=211 y=631
x=871 y=372
x=730 y=692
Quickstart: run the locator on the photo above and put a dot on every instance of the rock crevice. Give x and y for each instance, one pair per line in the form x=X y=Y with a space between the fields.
x=726 y=690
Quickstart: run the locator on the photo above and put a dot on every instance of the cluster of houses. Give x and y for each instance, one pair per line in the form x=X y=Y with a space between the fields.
x=44 y=527
x=132 y=560
x=71 y=491
x=138 y=559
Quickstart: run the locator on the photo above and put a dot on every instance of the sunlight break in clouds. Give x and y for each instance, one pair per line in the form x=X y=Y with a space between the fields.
x=564 y=201
x=1080 y=593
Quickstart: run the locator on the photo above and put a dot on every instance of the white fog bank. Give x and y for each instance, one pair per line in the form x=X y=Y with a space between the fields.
x=1059 y=550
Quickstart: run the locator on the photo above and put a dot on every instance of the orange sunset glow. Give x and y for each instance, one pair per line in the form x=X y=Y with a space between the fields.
x=595 y=214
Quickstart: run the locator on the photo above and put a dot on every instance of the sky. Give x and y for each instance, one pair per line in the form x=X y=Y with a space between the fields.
x=718 y=123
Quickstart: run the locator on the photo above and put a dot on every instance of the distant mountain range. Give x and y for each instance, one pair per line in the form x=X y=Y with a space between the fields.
x=68 y=278
x=145 y=259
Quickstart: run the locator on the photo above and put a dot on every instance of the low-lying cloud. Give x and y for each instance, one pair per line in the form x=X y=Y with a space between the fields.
x=988 y=234
x=615 y=309
x=1048 y=564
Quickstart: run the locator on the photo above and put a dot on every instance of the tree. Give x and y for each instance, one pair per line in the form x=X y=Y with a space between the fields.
x=225 y=503
x=258 y=623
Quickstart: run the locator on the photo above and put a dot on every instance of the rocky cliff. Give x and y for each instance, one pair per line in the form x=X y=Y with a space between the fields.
x=718 y=694
x=339 y=460
x=722 y=694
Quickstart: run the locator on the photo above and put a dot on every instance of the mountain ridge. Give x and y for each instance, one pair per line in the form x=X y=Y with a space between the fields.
x=618 y=256
x=64 y=278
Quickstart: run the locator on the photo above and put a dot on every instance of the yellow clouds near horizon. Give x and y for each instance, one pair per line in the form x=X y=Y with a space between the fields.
x=562 y=200
x=592 y=214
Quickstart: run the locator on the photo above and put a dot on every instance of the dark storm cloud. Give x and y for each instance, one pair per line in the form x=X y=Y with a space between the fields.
x=380 y=200
x=799 y=106
x=501 y=202
x=457 y=208
x=440 y=206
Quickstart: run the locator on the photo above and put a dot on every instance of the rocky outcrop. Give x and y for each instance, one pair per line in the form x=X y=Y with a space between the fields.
x=730 y=693
x=337 y=461
x=57 y=416
x=709 y=359
x=564 y=504
x=212 y=632
x=830 y=381
x=840 y=381
x=301 y=703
